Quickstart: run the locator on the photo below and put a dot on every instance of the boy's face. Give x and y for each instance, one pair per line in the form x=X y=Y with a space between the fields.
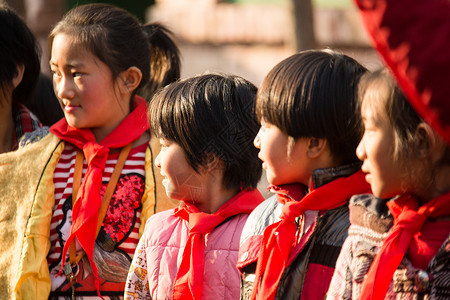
x=376 y=150
x=180 y=179
x=281 y=165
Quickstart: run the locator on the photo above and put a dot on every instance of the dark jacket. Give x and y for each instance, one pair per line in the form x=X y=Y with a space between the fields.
x=313 y=259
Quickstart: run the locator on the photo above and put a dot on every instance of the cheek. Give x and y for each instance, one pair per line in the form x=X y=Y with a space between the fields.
x=268 y=148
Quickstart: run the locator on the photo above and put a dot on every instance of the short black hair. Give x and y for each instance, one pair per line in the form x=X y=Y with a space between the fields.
x=212 y=114
x=18 y=46
x=314 y=94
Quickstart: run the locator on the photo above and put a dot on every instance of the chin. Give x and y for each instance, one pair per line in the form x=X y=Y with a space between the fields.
x=383 y=194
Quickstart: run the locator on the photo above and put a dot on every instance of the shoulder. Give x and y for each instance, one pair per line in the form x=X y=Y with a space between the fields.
x=163 y=218
x=162 y=224
x=332 y=226
x=265 y=214
x=34 y=136
x=370 y=212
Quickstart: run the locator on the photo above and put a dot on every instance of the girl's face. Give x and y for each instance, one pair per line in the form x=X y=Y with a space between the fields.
x=180 y=179
x=282 y=167
x=376 y=150
x=85 y=88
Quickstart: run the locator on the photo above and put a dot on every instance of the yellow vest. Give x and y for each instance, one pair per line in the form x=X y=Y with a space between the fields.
x=26 y=205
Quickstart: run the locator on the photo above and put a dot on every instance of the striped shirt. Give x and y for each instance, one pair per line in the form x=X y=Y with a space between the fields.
x=119 y=235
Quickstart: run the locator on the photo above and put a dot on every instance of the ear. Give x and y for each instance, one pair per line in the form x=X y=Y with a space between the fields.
x=130 y=79
x=315 y=147
x=428 y=144
x=19 y=76
x=211 y=162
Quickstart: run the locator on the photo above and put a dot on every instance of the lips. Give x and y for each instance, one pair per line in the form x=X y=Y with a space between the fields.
x=68 y=107
x=264 y=164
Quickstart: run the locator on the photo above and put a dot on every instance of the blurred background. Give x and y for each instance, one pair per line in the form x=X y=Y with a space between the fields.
x=244 y=37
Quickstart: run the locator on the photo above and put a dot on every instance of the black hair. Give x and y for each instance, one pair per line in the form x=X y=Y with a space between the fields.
x=314 y=94
x=110 y=33
x=165 y=61
x=18 y=46
x=45 y=104
x=212 y=114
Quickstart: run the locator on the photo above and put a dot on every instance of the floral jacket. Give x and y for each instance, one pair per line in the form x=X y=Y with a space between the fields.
x=371 y=221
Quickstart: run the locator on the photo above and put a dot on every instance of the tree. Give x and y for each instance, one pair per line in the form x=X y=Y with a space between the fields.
x=303 y=25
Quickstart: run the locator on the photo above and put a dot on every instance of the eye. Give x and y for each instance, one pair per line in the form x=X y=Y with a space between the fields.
x=55 y=74
x=76 y=74
x=164 y=143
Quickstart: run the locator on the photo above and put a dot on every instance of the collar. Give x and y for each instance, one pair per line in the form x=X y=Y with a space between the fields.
x=320 y=177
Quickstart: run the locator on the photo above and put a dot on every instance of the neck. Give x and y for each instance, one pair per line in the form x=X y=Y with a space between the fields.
x=216 y=195
x=103 y=131
x=7 y=127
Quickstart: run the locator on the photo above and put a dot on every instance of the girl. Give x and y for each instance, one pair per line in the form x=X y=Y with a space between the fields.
x=20 y=67
x=400 y=242
x=206 y=125
x=309 y=132
x=97 y=187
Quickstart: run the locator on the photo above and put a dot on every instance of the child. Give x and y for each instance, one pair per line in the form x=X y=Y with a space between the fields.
x=20 y=67
x=309 y=132
x=400 y=242
x=206 y=126
x=98 y=185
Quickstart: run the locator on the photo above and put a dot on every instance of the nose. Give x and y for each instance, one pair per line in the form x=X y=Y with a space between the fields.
x=360 y=150
x=64 y=88
x=158 y=161
x=257 y=140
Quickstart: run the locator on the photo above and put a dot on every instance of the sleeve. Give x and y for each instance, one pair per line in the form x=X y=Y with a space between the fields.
x=341 y=282
x=136 y=286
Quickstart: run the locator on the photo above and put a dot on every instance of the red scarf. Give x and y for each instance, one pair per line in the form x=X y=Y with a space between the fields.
x=87 y=204
x=279 y=237
x=408 y=222
x=188 y=282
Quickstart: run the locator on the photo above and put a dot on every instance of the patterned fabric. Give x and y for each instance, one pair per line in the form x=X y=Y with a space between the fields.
x=371 y=222
x=119 y=235
x=29 y=276
x=413 y=232
x=25 y=122
x=88 y=201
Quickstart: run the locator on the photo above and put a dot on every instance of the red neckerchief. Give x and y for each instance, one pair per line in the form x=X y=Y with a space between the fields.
x=278 y=238
x=188 y=282
x=408 y=222
x=87 y=204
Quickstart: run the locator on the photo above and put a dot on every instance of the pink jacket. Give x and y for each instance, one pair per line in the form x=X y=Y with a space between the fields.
x=160 y=251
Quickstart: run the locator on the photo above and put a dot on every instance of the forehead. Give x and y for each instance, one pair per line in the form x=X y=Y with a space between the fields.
x=373 y=106
x=65 y=49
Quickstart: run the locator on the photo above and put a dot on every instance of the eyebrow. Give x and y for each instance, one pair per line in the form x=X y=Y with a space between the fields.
x=73 y=64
